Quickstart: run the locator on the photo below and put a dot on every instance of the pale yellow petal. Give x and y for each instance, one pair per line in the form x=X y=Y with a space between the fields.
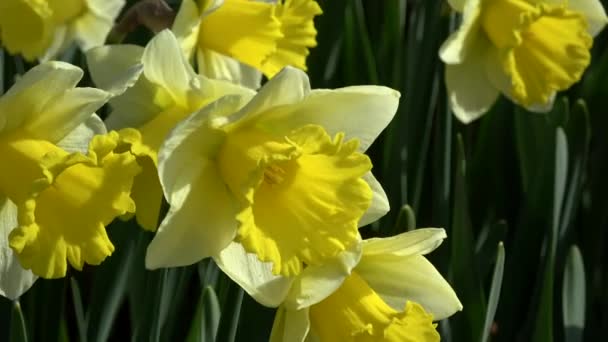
x=398 y=279
x=470 y=90
x=418 y=241
x=316 y=283
x=360 y=112
x=254 y=276
x=199 y=227
x=290 y=325
x=14 y=279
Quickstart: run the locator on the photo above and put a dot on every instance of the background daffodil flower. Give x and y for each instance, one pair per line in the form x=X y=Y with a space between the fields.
x=41 y=29
x=284 y=176
x=392 y=294
x=64 y=183
x=236 y=39
x=156 y=88
x=526 y=50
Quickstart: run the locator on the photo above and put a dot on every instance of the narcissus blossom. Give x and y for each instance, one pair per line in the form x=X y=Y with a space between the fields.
x=284 y=177
x=392 y=294
x=41 y=29
x=157 y=88
x=232 y=39
x=63 y=183
x=525 y=49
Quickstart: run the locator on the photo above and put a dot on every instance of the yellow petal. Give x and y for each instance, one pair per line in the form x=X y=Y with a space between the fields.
x=26 y=27
x=299 y=34
x=65 y=10
x=146 y=192
x=302 y=195
x=63 y=216
x=356 y=313
x=243 y=29
x=217 y=66
x=544 y=48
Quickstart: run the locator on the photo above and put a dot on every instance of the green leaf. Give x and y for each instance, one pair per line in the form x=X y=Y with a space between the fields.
x=406 y=220
x=112 y=279
x=81 y=323
x=18 y=332
x=466 y=282
x=485 y=248
x=543 y=329
x=231 y=310
x=574 y=296
x=494 y=293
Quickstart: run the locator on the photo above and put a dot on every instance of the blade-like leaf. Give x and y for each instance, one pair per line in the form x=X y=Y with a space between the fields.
x=494 y=293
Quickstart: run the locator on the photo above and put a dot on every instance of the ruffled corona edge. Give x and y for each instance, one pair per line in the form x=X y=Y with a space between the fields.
x=65 y=215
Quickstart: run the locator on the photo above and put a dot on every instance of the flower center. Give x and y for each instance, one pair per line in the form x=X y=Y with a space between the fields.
x=301 y=195
x=356 y=313
x=273 y=175
x=543 y=48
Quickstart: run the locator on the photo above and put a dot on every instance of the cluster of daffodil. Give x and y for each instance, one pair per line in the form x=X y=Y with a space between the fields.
x=271 y=182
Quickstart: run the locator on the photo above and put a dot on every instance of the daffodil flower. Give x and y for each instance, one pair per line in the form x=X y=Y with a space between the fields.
x=157 y=88
x=235 y=39
x=388 y=291
x=64 y=182
x=41 y=29
x=525 y=49
x=284 y=177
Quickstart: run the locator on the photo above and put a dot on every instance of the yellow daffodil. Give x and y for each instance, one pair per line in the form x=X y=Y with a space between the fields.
x=162 y=90
x=64 y=183
x=233 y=39
x=284 y=177
x=393 y=294
x=525 y=49
x=43 y=28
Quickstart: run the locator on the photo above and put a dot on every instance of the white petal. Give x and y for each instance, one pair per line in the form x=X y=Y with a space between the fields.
x=418 y=241
x=31 y=93
x=186 y=26
x=398 y=279
x=165 y=65
x=200 y=226
x=459 y=44
x=290 y=325
x=193 y=143
x=14 y=280
x=591 y=9
x=105 y=8
x=316 y=283
x=91 y=30
x=78 y=139
x=134 y=108
x=66 y=112
x=218 y=66
x=470 y=92
x=379 y=206
x=289 y=86
x=254 y=276
x=115 y=68
x=361 y=112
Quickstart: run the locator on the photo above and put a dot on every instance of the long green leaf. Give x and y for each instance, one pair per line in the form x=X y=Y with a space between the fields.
x=574 y=296
x=231 y=310
x=494 y=293
x=543 y=329
x=18 y=332
x=469 y=324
